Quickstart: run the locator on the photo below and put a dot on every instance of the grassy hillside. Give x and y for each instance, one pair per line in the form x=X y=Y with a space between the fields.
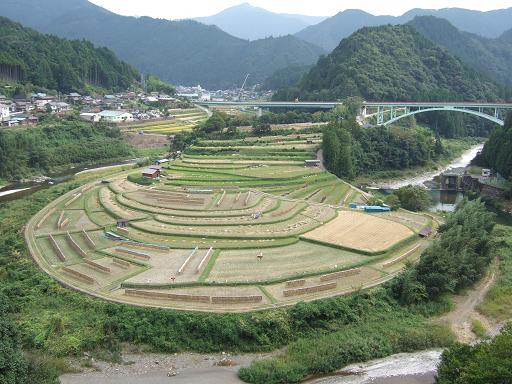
x=50 y=62
x=391 y=63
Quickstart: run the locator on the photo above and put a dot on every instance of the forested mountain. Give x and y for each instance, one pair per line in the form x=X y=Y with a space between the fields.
x=496 y=153
x=391 y=63
x=27 y=56
x=180 y=52
x=490 y=56
x=329 y=32
x=286 y=77
x=248 y=22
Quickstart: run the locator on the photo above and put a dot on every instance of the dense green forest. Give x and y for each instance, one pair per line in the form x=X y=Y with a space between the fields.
x=58 y=143
x=391 y=63
x=286 y=77
x=458 y=259
x=497 y=152
x=180 y=52
x=484 y=363
x=50 y=62
x=350 y=150
x=492 y=57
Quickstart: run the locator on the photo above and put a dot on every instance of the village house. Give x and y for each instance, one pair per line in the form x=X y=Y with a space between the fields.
x=59 y=107
x=4 y=112
x=23 y=106
x=74 y=97
x=115 y=117
x=90 y=116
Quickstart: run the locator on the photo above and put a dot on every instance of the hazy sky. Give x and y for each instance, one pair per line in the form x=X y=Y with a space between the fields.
x=180 y=9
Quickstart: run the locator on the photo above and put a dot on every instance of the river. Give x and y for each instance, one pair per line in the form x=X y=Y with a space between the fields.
x=19 y=190
x=403 y=368
x=461 y=162
x=445 y=201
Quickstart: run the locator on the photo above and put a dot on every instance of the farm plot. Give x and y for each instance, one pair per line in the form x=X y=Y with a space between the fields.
x=66 y=220
x=292 y=227
x=165 y=199
x=412 y=220
x=361 y=231
x=277 y=263
x=108 y=200
x=178 y=266
x=202 y=298
x=222 y=232
x=105 y=271
x=184 y=242
x=367 y=276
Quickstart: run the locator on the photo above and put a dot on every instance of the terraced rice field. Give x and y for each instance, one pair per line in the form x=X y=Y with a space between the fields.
x=180 y=120
x=233 y=226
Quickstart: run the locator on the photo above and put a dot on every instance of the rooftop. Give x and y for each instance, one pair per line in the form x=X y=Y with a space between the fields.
x=112 y=113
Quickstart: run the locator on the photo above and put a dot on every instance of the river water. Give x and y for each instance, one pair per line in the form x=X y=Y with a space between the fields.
x=19 y=190
x=403 y=368
x=445 y=201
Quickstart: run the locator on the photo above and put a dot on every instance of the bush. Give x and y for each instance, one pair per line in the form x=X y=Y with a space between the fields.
x=488 y=362
x=393 y=202
x=414 y=198
x=141 y=180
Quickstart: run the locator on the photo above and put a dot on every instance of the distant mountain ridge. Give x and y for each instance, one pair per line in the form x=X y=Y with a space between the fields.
x=492 y=57
x=181 y=52
x=391 y=63
x=252 y=23
x=328 y=33
x=53 y=63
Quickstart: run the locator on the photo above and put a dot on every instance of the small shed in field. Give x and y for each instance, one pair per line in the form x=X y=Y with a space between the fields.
x=425 y=232
x=151 y=173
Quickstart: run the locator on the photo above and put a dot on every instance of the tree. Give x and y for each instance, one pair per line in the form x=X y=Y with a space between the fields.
x=261 y=129
x=392 y=201
x=414 y=198
x=215 y=123
x=484 y=363
x=178 y=143
x=13 y=367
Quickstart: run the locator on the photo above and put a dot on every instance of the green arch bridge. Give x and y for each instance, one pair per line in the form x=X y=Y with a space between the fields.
x=385 y=112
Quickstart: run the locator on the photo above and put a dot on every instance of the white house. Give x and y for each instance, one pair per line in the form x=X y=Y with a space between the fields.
x=59 y=106
x=88 y=116
x=5 y=112
x=115 y=116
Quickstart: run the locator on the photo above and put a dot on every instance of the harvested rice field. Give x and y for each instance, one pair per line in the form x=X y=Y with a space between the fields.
x=361 y=231
x=231 y=226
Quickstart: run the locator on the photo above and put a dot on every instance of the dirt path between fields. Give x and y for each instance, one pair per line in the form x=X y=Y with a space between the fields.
x=461 y=317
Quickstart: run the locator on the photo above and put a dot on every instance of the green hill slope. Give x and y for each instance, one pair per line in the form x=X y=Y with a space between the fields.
x=50 y=62
x=490 y=56
x=391 y=63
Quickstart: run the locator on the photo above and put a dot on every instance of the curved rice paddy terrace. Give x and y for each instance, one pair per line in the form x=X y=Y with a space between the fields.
x=232 y=226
